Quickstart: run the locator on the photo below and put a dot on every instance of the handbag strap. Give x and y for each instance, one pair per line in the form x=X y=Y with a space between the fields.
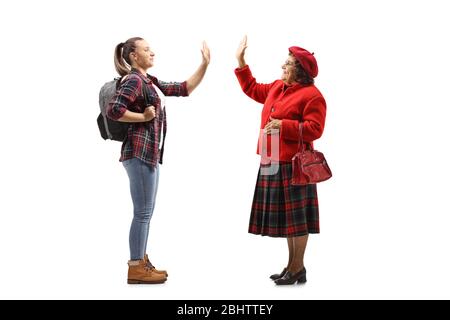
x=300 y=145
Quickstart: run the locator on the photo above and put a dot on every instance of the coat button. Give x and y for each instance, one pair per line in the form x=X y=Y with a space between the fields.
x=273 y=109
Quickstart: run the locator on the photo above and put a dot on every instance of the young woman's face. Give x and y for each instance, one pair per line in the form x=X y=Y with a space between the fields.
x=288 y=74
x=143 y=55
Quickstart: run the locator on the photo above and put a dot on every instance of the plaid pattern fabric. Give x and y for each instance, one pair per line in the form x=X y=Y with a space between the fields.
x=280 y=209
x=143 y=138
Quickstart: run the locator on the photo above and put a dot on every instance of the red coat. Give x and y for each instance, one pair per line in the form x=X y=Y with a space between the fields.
x=291 y=104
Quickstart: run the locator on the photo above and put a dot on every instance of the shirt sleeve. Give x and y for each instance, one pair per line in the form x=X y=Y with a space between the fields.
x=174 y=89
x=251 y=88
x=125 y=96
x=313 y=122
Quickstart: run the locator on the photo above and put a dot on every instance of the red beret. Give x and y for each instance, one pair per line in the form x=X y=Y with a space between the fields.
x=306 y=60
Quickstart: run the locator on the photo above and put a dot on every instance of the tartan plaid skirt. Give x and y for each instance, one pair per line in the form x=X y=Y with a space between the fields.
x=280 y=209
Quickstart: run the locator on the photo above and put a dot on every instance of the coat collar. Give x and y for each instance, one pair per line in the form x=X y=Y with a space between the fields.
x=293 y=86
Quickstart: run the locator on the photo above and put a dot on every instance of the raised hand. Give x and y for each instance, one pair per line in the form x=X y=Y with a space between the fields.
x=205 y=53
x=198 y=75
x=240 y=52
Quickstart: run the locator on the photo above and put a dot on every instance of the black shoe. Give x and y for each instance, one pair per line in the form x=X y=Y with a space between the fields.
x=278 y=275
x=289 y=278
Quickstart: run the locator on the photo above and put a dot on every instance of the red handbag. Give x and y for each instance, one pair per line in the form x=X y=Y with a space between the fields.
x=308 y=165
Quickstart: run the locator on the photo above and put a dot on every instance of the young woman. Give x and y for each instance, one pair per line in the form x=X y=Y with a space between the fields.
x=142 y=149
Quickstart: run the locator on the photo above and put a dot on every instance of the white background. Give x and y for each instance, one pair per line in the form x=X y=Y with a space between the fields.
x=65 y=207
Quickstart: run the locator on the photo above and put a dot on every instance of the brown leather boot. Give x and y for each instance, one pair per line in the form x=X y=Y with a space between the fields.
x=139 y=272
x=149 y=264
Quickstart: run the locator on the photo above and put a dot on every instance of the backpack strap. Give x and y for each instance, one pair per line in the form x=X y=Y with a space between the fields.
x=144 y=91
x=119 y=81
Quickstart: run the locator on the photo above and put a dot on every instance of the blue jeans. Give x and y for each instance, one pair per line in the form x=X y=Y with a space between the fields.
x=143 y=187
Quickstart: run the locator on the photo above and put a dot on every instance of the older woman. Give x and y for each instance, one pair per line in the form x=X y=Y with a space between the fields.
x=279 y=208
x=142 y=149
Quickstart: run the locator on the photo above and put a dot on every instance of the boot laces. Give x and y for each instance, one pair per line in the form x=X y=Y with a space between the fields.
x=148 y=268
x=150 y=265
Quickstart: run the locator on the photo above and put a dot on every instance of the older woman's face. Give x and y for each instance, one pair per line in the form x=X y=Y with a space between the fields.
x=143 y=55
x=288 y=74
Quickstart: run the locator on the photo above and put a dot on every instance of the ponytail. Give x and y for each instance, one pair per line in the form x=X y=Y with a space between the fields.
x=119 y=63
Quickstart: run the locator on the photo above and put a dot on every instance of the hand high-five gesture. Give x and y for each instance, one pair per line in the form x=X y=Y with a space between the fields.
x=205 y=53
x=198 y=75
x=240 y=53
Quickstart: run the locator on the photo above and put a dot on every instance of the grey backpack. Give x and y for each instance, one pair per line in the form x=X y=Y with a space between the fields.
x=110 y=129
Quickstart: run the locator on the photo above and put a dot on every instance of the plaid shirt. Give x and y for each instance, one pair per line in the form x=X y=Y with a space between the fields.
x=143 y=138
